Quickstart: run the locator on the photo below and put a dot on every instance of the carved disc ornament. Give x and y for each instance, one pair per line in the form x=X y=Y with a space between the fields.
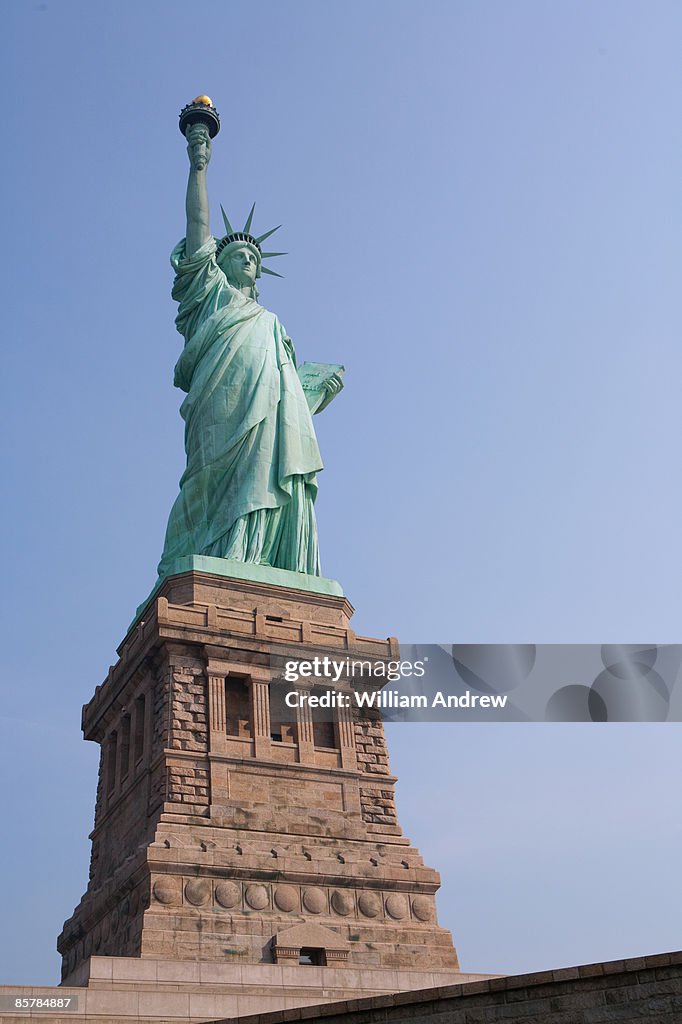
x=286 y=897
x=369 y=904
x=197 y=892
x=228 y=894
x=314 y=900
x=421 y=908
x=342 y=902
x=396 y=907
x=257 y=897
x=166 y=891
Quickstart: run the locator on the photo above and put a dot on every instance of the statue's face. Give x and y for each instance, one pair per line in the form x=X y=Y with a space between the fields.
x=240 y=264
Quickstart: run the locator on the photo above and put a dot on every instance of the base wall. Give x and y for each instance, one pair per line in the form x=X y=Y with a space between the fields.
x=619 y=992
x=124 y=990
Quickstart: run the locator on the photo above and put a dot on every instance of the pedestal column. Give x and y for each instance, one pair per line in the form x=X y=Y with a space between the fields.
x=346 y=738
x=260 y=705
x=217 y=672
x=304 y=725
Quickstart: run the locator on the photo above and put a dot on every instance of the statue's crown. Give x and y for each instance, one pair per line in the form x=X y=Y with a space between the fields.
x=245 y=236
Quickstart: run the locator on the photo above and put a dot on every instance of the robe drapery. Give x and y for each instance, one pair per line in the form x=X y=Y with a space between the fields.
x=249 y=488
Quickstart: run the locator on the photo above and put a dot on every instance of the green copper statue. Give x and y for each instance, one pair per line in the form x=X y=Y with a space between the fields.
x=249 y=489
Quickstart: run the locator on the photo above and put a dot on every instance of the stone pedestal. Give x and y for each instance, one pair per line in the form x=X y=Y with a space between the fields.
x=222 y=837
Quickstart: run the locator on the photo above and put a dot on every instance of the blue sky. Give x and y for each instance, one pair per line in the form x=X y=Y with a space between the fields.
x=481 y=207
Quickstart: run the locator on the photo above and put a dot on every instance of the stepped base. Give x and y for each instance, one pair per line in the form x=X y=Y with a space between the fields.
x=228 y=568
x=121 y=990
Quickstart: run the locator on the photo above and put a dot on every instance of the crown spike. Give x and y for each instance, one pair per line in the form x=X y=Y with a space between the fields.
x=247 y=226
x=272 y=273
x=261 y=238
x=228 y=227
x=267 y=255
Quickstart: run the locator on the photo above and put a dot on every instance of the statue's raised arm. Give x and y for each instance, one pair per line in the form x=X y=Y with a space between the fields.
x=196 y=203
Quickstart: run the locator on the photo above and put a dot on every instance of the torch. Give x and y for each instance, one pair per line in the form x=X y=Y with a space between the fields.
x=200 y=111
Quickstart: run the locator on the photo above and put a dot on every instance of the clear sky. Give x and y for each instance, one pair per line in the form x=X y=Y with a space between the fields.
x=481 y=203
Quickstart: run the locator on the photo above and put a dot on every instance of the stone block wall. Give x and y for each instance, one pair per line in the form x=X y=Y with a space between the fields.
x=208 y=842
x=370 y=741
x=618 y=992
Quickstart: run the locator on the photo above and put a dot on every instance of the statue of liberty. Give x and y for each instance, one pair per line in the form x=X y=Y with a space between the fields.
x=249 y=489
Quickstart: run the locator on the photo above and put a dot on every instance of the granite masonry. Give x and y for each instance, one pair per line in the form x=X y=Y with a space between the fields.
x=619 y=992
x=230 y=831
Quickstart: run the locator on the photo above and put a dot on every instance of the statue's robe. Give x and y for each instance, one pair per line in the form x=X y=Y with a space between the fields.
x=252 y=456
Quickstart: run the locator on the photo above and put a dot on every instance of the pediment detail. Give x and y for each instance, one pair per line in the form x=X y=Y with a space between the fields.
x=310 y=935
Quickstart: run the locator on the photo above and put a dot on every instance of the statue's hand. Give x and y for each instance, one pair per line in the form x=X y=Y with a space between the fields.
x=198 y=146
x=333 y=385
